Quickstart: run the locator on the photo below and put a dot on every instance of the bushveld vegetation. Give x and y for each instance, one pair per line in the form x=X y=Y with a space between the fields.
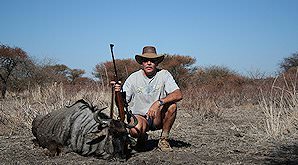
x=29 y=88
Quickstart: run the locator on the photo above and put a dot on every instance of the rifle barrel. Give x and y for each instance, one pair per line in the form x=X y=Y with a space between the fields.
x=116 y=75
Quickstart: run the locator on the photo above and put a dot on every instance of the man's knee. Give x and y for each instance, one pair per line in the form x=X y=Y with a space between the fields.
x=134 y=132
x=172 y=109
x=169 y=112
x=139 y=129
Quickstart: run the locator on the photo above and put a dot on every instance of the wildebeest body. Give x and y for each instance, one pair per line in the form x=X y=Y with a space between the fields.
x=74 y=129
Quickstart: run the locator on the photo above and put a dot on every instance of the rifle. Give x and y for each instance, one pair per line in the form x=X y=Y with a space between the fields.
x=118 y=94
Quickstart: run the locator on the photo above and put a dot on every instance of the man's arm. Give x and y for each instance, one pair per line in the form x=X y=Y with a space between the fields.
x=175 y=96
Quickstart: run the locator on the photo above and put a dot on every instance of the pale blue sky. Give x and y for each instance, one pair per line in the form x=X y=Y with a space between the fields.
x=244 y=35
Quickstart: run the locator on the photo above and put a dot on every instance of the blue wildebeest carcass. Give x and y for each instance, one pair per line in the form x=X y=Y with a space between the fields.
x=84 y=129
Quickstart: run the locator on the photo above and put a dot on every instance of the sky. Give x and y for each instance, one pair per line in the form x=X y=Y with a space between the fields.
x=246 y=36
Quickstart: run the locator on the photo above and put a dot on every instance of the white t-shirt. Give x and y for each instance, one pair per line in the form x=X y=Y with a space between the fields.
x=142 y=91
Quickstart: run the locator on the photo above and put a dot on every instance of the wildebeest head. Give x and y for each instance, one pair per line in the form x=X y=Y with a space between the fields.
x=117 y=136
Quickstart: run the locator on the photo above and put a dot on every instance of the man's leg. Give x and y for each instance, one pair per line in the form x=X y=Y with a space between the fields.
x=141 y=128
x=139 y=131
x=168 y=120
x=164 y=120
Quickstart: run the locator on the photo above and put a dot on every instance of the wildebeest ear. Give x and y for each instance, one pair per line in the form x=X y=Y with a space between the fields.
x=96 y=140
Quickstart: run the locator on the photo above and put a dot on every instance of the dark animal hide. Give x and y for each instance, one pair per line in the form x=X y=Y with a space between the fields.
x=81 y=128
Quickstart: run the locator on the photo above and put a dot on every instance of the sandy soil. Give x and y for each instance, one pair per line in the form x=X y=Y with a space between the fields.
x=234 y=138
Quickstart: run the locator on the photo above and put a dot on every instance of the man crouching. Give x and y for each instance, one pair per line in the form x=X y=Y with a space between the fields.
x=152 y=94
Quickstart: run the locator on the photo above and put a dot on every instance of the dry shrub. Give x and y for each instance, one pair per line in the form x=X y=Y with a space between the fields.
x=213 y=89
x=17 y=113
x=226 y=87
x=280 y=106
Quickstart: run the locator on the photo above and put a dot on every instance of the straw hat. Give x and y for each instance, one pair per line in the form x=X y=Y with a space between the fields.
x=149 y=53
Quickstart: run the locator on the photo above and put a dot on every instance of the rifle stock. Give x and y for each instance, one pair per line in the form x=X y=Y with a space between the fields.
x=120 y=105
x=118 y=95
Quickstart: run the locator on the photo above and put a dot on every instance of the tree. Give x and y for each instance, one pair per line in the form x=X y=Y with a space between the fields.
x=289 y=62
x=181 y=67
x=105 y=71
x=74 y=74
x=49 y=73
x=59 y=69
x=57 y=72
x=12 y=60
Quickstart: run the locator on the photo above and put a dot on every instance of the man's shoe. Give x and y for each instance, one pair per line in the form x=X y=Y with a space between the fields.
x=164 y=145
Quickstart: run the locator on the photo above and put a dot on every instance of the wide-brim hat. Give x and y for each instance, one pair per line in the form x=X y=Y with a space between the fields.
x=149 y=52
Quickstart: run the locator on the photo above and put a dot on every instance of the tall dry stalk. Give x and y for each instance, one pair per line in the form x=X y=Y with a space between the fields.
x=272 y=115
x=280 y=107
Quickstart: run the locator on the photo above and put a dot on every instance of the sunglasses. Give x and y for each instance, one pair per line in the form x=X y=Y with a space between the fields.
x=153 y=60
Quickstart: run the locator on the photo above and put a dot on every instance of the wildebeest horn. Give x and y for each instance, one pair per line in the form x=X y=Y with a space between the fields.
x=96 y=115
x=135 y=122
x=101 y=121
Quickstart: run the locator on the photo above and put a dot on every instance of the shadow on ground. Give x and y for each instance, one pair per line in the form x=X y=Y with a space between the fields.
x=152 y=145
x=284 y=154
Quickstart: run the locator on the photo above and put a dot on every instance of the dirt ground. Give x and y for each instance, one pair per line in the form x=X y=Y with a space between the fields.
x=234 y=138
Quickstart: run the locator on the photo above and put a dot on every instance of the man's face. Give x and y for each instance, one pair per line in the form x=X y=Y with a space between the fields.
x=149 y=66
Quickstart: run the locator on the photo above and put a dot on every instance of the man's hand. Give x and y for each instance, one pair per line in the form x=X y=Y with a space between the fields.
x=117 y=86
x=154 y=110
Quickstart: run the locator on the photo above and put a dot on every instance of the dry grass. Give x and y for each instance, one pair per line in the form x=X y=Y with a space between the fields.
x=18 y=112
x=278 y=103
x=277 y=99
